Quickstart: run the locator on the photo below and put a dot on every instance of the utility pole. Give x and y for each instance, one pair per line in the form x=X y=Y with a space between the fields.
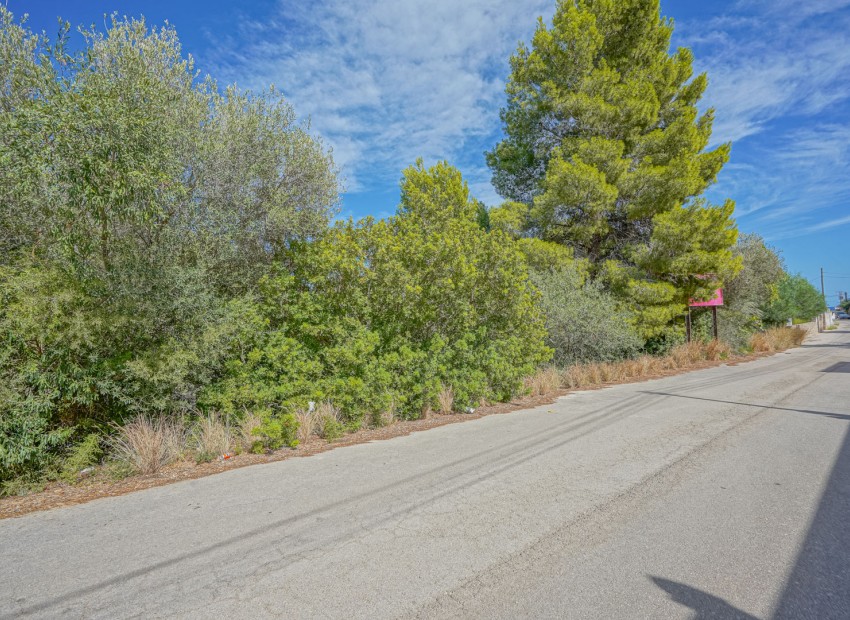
x=822 y=290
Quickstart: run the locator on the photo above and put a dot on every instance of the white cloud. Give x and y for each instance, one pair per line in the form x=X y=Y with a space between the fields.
x=801 y=176
x=777 y=58
x=779 y=80
x=387 y=81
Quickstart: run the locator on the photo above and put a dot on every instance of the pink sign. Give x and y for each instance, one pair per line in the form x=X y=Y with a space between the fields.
x=717 y=300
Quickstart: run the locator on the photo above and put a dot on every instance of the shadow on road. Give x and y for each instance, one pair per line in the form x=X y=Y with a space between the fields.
x=828 y=414
x=705 y=605
x=819 y=584
x=828 y=345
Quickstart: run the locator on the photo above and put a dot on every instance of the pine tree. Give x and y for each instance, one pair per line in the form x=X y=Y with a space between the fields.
x=607 y=149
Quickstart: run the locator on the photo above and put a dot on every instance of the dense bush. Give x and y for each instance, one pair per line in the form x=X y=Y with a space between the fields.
x=380 y=315
x=139 y=208
x=583 y=322
x=796 y=299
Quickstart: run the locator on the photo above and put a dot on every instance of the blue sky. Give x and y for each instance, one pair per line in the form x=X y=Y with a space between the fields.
x=386 y=81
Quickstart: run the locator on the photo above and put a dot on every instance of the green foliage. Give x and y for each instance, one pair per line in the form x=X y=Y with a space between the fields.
x=745 y=296
x=796 y=299
x=276 y=431
x=583 y=322
x=606 y=149
x=511 y=218
x=548 y=256
x=332 y=429
x=139 y=208
x=395 y=308
x=29 y=444
x=84 y=454
x=482 y=215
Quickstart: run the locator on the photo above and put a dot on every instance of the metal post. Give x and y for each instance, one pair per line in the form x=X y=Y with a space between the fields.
x=714 y=320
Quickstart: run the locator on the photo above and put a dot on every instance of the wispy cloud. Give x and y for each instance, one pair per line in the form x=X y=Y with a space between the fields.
x=830 y=223
x=768 y=59
x=799 y=184
x=779 y=80
x=387 y=81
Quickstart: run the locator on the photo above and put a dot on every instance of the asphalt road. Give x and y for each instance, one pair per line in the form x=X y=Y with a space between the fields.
x=723 y=493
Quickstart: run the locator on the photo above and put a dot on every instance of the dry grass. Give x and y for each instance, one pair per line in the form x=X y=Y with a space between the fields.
x=210 y=438
x=717 y=350
x=446 y=399
x=308 y=424
x=245 y=437
x=594 y=374
x=147 y=444
x=777 y=339
x=685 y=355
x=544 y=381
x=328 y=420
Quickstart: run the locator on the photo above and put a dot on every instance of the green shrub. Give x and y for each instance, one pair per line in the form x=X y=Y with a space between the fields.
x=276 y=431
x=396 y=308
x=86 y=453
x=796 y=299
x=29 y=447
x=332 y=429
x=583 y=322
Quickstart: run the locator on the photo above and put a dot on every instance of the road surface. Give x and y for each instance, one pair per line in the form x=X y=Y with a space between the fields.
x=722 y=493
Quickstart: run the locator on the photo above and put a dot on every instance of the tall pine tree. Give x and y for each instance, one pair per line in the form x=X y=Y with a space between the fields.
x=607 y=149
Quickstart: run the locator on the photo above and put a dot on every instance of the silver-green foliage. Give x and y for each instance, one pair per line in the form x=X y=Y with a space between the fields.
x=583 y=322
x=136 y=201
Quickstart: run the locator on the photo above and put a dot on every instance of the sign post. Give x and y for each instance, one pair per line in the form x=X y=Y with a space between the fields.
x=714 y=320
x=716 y=300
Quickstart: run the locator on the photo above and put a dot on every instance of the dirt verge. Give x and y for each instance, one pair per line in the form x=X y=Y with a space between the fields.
x=59 y=494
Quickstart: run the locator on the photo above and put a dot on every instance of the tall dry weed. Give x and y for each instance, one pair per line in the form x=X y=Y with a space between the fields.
x=147 y=444
x=210 y=437
x=446 y=399
x=245 y=437
x=777 y=339
x=544 y=382
x=308 y=424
